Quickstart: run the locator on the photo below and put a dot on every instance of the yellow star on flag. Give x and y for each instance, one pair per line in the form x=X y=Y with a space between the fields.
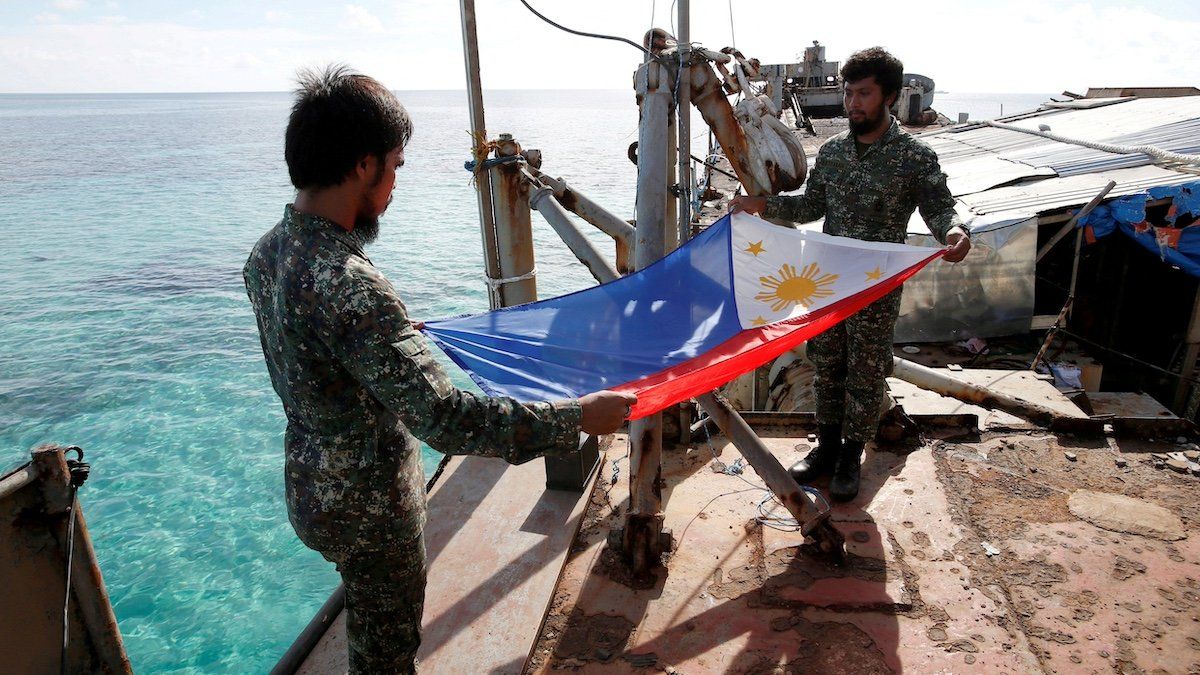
x=759 y=321
x=755 y=247
x=875 y=274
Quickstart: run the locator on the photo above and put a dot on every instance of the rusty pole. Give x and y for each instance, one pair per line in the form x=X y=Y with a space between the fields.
x=671 y=203
x=642 y=539
x=684 y=112
x=936 y=381
x=514 y=230
x=813 y=521
x=483 y=185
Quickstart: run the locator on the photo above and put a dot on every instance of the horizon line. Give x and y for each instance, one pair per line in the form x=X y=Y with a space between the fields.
x=463 y=90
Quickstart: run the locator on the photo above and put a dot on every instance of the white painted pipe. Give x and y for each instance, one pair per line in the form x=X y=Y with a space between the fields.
x=542 y=200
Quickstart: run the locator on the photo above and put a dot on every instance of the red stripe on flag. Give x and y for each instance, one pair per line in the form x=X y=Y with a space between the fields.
x=749 y=349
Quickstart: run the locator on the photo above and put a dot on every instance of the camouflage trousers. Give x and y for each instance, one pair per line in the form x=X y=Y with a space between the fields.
x=385 y=597
x=852 y=361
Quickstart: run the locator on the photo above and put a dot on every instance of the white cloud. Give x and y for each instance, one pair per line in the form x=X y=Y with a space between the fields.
x=1016 y=46
x=69 y=5
x=360 y=18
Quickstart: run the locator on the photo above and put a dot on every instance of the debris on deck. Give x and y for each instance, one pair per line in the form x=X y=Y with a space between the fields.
x=996 y=553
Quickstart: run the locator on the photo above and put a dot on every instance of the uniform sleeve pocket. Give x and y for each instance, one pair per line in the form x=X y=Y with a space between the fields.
x=421 y=363
x=411 y=347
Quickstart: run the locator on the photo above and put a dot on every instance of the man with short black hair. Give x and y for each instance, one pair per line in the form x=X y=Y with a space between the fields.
x=866 y=182
x=355 y=376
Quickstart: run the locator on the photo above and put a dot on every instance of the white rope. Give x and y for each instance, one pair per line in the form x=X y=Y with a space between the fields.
x=1148 y=150
x=497 y=283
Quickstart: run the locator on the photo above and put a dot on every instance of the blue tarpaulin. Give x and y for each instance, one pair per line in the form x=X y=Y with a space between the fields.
x=1177 y=246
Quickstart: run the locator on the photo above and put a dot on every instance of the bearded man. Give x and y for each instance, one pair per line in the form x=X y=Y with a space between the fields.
x=865 y=183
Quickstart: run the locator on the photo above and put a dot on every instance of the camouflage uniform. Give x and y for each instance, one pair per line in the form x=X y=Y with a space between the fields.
x=869 y=198
x=355 y=377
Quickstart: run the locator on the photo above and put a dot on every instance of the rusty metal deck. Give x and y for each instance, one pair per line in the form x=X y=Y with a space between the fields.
x=964 y=558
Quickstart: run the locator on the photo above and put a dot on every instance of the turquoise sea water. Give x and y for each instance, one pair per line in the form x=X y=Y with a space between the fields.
x=124 y=328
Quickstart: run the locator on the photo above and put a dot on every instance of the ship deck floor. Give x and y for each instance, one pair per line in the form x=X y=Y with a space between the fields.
x=964 y=555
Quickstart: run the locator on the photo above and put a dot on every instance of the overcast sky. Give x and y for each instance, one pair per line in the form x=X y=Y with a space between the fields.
x=249 y=45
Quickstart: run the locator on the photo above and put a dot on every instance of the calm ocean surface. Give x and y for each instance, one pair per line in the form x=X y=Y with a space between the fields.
x=124 y=327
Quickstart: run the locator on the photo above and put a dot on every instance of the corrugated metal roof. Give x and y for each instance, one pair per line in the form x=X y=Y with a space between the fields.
x=992 y=170
x=1056 y=193
x=1070 y=160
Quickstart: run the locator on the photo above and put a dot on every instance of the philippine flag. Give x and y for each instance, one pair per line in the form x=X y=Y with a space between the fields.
x=736 y=296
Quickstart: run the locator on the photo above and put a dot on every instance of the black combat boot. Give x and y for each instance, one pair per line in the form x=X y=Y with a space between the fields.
x=843 y=487
x=822 y=460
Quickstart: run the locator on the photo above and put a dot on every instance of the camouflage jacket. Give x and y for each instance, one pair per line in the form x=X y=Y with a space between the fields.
x=872 y=197
x=354 y=377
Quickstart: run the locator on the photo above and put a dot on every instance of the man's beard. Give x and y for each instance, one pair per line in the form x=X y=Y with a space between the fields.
x=868 y=123
x=367 y=228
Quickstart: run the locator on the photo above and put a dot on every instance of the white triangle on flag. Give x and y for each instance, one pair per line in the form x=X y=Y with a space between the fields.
x=780 y=273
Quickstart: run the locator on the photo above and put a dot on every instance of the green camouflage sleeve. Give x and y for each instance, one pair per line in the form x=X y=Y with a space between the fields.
x=934 y=199
x=801 y=208
x=371 y=336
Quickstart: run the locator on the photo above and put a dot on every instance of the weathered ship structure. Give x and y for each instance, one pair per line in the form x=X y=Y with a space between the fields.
x=989 y=532
x=812 y=88
x=1027 y=506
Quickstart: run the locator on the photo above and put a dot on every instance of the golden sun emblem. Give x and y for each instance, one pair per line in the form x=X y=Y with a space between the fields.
x=795 y=289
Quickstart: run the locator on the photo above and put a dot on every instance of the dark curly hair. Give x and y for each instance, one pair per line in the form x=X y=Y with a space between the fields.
x=339 y=118
x=875 y=61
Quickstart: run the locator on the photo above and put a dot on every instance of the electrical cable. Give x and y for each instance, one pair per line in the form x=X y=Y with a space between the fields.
x=559 y=26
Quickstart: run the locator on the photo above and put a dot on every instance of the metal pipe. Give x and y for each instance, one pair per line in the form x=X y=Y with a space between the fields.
x=671 y=197
x=654 y=97
x=578 y=203
x=580 y=245
x=18 y=479
x=797 y=501
x=643 y=529
x=514 y=230
x=483 y=186
x=928 y=378
x=683 y=110
x=813 y=522
x=1074 y=219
